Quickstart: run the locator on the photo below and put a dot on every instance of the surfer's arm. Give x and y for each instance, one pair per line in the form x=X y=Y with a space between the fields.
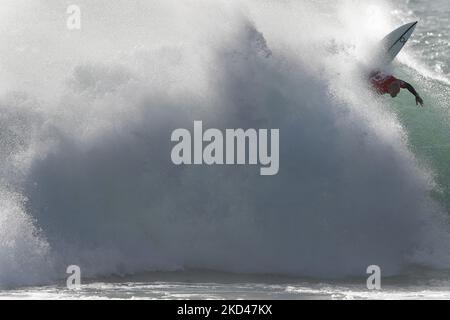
x=411 y=89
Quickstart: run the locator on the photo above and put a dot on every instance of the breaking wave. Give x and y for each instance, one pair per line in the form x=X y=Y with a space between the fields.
x=86 y=118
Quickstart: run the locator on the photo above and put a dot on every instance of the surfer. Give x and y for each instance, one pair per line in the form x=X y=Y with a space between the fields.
x=388 y=84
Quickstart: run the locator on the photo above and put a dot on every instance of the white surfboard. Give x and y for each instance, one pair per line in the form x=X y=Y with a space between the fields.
x=394 y=42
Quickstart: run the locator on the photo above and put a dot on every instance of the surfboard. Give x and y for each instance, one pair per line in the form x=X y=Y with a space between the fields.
x=394 y=42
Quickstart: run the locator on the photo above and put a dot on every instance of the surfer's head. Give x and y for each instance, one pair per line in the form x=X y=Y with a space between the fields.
x=394 y=88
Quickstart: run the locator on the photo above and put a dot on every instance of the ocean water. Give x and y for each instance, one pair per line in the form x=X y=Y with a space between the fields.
x=85 y=172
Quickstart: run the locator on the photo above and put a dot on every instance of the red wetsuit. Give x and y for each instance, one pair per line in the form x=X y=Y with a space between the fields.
x=381 y=82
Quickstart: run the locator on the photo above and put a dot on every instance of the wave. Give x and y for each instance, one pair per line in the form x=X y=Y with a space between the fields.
x=86 y=176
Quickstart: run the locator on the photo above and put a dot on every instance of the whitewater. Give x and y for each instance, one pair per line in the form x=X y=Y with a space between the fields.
x=86 y=177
